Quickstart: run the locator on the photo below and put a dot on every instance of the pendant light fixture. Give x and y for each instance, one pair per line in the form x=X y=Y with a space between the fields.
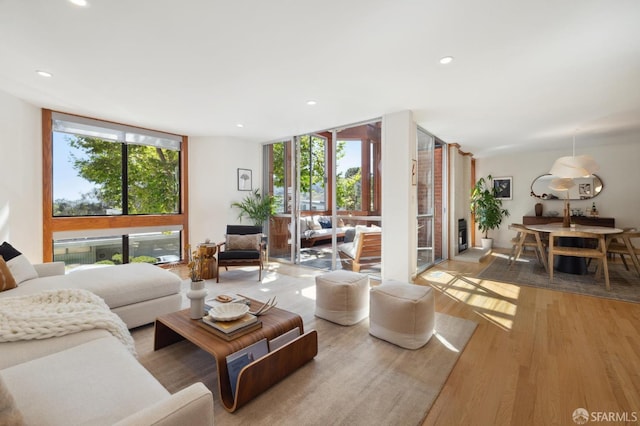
x=574 y=167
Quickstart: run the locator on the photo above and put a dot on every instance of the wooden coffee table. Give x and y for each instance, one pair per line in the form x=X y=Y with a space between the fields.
x=256 y=377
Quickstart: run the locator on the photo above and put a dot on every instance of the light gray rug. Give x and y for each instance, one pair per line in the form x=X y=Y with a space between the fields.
x=625 y=285
x=355 y=379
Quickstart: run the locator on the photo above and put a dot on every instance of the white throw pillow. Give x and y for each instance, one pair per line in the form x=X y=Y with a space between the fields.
x=312 y=223
x=20 y=267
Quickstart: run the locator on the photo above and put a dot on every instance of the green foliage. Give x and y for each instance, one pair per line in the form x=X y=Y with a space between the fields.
x=256 y=207
x=102 y=165
x=117 y=258
x=486 y=206
x=312 y=162
x=105 y=262
x=153 y=180
x=348 y=189
x=144 y=259
x=88 y=205
x=153 y=184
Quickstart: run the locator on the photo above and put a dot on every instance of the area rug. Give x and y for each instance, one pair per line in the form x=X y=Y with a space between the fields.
x=355 y=379
x=625 y=285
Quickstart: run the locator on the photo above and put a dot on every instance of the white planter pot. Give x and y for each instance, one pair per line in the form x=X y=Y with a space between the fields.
x=487 y=243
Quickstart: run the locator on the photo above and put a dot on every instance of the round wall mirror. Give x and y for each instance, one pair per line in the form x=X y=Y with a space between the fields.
x=584 y=189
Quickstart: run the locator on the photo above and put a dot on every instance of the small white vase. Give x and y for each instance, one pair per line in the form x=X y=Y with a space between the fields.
x=196 y=294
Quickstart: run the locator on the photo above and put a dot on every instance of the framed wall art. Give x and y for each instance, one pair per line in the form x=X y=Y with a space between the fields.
x=503 y=187
x=245 y=180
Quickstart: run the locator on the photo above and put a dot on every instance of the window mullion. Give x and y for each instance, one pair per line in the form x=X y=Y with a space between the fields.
x=125 y=179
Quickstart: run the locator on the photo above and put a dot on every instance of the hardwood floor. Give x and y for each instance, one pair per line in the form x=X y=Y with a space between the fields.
x=536 y=356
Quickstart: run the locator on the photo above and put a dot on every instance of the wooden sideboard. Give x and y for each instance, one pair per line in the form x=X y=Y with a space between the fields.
x=609 y=222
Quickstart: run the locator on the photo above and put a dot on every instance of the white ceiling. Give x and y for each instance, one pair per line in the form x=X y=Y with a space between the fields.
x=526 y=75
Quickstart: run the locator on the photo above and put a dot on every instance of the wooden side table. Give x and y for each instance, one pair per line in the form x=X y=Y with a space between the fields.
x=207 y=253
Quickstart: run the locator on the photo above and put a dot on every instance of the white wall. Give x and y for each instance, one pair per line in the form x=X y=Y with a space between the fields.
x=212 y=175
x=619 y=172
x=460 y=189
x=21 y=176
x=398 y=197
x=213 y=164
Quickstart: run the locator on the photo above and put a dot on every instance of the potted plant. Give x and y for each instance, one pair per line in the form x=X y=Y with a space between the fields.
x=256 y=207
x=487 y=208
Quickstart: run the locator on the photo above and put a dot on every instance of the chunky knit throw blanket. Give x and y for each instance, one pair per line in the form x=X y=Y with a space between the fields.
x=55 y=313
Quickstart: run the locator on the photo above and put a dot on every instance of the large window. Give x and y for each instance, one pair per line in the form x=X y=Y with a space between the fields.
x=349 y=175
x=112 y=192
x=313 y=172
x=358 y=178
x=99 y=170
x=278 y=155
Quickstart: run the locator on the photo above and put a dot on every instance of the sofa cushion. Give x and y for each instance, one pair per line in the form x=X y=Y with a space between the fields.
x=98 y=382
x=6 y=279
x=25 y=350
x=360 y=229
x=312 y=223
x=9 y=413
x=20 y=267
x=304 y=225
x=349 y=249
x=324 y=222
x=239 y=254
x=243 y=242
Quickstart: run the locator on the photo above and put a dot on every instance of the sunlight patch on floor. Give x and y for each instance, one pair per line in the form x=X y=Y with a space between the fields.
x=445 y=342
x=495 y=301
x=506 y=256
x=309 y=292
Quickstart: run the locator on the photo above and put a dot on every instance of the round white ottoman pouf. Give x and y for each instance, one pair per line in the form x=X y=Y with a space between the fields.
x=342 y=297
x=403 y=314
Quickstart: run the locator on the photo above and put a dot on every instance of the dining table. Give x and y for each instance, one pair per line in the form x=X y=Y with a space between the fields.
x=571 y=264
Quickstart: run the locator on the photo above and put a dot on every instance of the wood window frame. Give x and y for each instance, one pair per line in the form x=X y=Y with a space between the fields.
x=53 y=224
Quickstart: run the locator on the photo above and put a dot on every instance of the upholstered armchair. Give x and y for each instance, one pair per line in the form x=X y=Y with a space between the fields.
x=243 y=246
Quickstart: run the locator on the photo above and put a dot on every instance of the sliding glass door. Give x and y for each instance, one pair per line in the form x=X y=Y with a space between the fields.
x=430 y=199
x=327 y=187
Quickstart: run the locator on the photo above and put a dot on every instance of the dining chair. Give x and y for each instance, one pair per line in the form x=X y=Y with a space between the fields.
x=626 y=248
x=588 y=251
x=527 y=238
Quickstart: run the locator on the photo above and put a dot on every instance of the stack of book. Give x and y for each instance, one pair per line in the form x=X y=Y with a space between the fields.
x=229 y=330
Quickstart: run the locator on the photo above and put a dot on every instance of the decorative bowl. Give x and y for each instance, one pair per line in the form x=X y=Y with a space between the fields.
x=228 y=311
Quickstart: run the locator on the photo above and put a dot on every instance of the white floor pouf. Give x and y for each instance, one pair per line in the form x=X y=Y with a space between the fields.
x=342 y=297
x=402 y=313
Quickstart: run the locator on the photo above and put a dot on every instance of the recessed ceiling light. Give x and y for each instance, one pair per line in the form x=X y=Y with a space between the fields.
x=446 y=60
x=311 y=102
x=240 y=125
x=44 y=73
x=82 y=3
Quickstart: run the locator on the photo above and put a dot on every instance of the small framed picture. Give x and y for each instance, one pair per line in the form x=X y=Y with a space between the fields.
x=584 y=189
x=245 y=180
x=503 y=186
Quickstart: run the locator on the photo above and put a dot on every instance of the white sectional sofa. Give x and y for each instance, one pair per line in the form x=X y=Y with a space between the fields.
x=90 y=378
x=137 y=292
x=66 y=356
